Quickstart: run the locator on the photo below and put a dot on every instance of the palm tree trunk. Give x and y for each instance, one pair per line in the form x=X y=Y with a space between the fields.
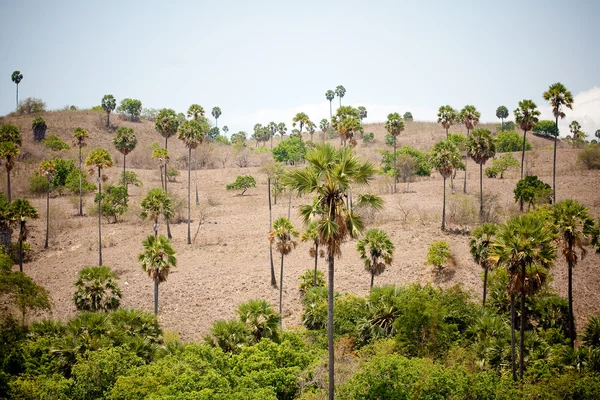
x=99 y=219
x=444 y=207
x=273 y=280
x=189 y=193
x=196 y=178
x=155 y=226
x=124 y=179
x=512 y=337
x=395 y=177
x=523 y=158
x=372 y=279
x=316 y=262
x=275 y=194
x=485 y=276
x=571 y=319
x=108 y=120
x=8 y=184
x=522 y=341
x=162 y=184
x=21 y=246
x=48 y=211
x=290 y=205
x=17 y=109
x=446 y=133
x=466 y=161
x=330 y=113
x=281 y=293
x=167 y=219
x=554 y=165
x=155 y=297
x=481 y=192
x=330 y=348
x=80 y=183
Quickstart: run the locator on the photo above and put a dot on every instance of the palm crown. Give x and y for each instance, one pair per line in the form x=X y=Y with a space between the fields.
x=527 y=115
x=125 y=140
x=282 y=234
x=79 y=137
x=216 y=112
x=192 y=132
x=158 y=257
x=99 y=158
x=376 y=249
x=445 y=157
x=446 y=116
x=558 y=96
x=16 y=77
x=195 y=111
x=167 y=122
x=156 y=203
x=469 y=116
x=502 y=112
x=394 y=124
x=330 y=95
x=480 y=145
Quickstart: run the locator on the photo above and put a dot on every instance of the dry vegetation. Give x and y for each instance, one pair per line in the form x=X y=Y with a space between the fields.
x=228 y=262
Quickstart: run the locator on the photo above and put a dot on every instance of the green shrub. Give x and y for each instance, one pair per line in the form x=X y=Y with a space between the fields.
x=38 y=184
x=290 y=151
x=422 y=166
x=546 y=128
x=491 y=172
x=500 y=165
x=72 y=182
x=242 y=183
x=438 y=254
x=307 y=280
x=508 y=126
x=368 y=138
x=97 y=289
x=590 y=156
x=510 y=141
x=114 y=202
x=315 y=308
x=55 y=143
x=533 y=191
x=172 y=174
x=129 y=178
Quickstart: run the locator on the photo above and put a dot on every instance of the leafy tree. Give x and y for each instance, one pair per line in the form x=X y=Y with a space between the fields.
x=192 y=134
x=242 y=183
x=340 y=92
x=39 y=128
x=125 y=141
x=526 y=116
x=282 y=236
x=408 y=117
x=108 y=105
x=23 y=292
x=446 y=116
x=31 y=105
x=99 y=159
x=133 y=107
x=239 y=138
x=532 y=191
x=290 y=150
x=376 y=250
x=510 y=141
x=438 y=254
x=79 y=139
x=502 y=113
x=330 y=174
x=330 y=95
x=545 y=128
x=155 y=204
x=17 y=77
x=216 y=113
x=10 y=140
x=130 y=178
x=97 y=290
x=500 y=165
x=157 y=260
x=479 y=246
x=445 y=158
x=525 y=247
x=575 y=230
x=469 y=116
x=301 y=119
x=559 y=97
x=261 y=320
x=368 y=138
x=481 y=147
x=162 y=155
x=394 y=125
x=346 y=122
x=261 y=134
x=362 y=113
x=47 y=168
x=21 y=211
x=114 y=202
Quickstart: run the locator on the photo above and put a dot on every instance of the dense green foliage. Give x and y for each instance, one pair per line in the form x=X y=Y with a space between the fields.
x=55 y=143
x=500 y=165
x=290 y=151
x=510 y=141
x=242 y=183
x=114 y=202
x=533 y=191
x=545 y=128
x=422 y=166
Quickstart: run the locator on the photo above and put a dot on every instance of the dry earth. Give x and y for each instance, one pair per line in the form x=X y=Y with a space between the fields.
x=228 y=263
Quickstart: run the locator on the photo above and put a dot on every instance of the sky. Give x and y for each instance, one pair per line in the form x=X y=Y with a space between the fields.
x=263 y=61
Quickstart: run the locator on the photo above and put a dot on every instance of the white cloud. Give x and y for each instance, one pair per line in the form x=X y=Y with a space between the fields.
x=586 y=111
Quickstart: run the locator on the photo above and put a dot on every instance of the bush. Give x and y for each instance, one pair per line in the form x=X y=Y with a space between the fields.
x=55 y=143
x=590 y=156
x=97 y=289
x=422 y=166
x=130 y=178
x=290 y=150
x=31 y=105
x=242 y=182
x=172 y=174
x=38 y=184
x=438 y=254
x=491 y=172
x=500 y=165
x=39 y=128
x=508 y=126
x=533 y=191
x=307 y=280
x=510 y=141
x=368 y=138
x=546 y=128
x=114 y=202
x=72 y=182
x=27 y=252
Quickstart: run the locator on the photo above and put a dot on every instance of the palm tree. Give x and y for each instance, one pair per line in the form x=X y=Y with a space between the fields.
x=377 y=250
x=191 y=133
x=347 y=127
x=311 y=235
x=155 y=204
x=324 y=125
x=330 y=95
x=575 y=230
x=10 y=139
x=526 y=116
x=21 y=210
x=301 y=119
x=260 y=318
x=125 y=141
x=481 y=147
x=282 y=129
x=445 y=158
x=100 y=159
x=330 y=174
x=47 y=168
x=310 y=128
x=166 y=124
x=479 y=246
x=575 y=129
x=97 y=289
x=157 y=260
x=162 y=155
x=362 y=113
x=394 y=125
x=470 y=117
x=272 y=127
x=446 y=117
x=525 y=246
x=108 y=105
x=216 y=113
x=79 y=137
x=195 y=111
x=17 y=77
x=558 y=96
x=340 y=91
x=282 y=235
x=502 y=113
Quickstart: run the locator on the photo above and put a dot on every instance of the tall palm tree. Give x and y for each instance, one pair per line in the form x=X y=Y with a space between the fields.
x=311 y=235
x=10 y=140
x=195 y=111
x=446 y=116
x=340 y=92
x=526 y=116
x=302 y=120
x=481 y=147
x=479 y=246
x=525 y=247
x=97 y=289
x=125 y=141
x=394 y=125
x=445 y=158
x=162 y=155
x=157 y=260
x=192 y=133
x=377 y=250
x=282 y=235
x=330 y=174
x=347 y=127
x=155 y=204
x=502 y=113
x=559 y=97
x=282 y=129
x=99 y=159
x=310 y=128
x=108 y=105
x=216 y=113
x=17 y=77
x=22 y=210
x=272 y=127
x=324 y=125
x=470 y=117
x=362 y=113
x=166 y=124
x=330 y=95
x=575 y=230
x=79 y=137
x=48 y=169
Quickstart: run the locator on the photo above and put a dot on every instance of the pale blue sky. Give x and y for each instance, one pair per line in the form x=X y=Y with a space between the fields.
x=265 y=60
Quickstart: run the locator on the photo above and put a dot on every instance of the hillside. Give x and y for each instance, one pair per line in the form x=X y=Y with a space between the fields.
x=228 y=262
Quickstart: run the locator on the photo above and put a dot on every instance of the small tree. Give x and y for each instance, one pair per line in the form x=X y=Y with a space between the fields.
x=97 y=290
x=99 y=159
x=39 y=128
x=155 y=204
x=408 y=117
x=445 y=158
x=79 y=139
x=438 y=254
x=48 y=169
x=502 y=113
x=157 y=260
x=242 y=183
x=21 y=211
x=500 y=165
x=376 y=250
x=533 y=191
x=108 y=105
x=133 y=107
x=282 y=235
x=10 y=140
x=114 y=202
